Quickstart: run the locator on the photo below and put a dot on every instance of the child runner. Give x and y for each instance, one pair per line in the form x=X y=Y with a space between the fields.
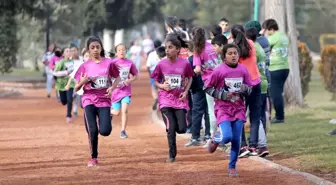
x=248 y=58
x=219 y=41
x=94 y=76
x=77 y=64
x=228 y=84
x=173 y=77
x=121 y=96
x=152 y=60
x=252 y=33
x=58 y=55
x=62 y=69
x=49 y=72
x=205 y=61
x=214 y=31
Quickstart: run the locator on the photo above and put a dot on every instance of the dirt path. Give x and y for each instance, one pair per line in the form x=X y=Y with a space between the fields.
x=37 y=147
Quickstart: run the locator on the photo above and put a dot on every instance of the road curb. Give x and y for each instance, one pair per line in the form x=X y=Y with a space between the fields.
x=308 y=176
x=312 y=178
x=20 y=85
x=10 y=94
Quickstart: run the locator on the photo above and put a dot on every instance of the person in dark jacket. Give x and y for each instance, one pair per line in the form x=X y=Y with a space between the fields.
x=198 y=108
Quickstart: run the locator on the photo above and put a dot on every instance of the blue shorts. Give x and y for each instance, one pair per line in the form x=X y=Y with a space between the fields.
x=152 y=82
x=117 y=105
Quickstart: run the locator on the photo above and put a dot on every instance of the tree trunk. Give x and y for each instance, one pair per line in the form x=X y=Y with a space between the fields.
x=108 y=40
x=293 y=91
x=275 y=9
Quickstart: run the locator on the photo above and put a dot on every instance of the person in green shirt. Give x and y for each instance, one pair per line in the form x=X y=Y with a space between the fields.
x=278 y=68
x=62 y=70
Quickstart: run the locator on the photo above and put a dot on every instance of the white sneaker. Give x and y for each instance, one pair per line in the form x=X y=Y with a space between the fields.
x=207 y=143
x=333 y=121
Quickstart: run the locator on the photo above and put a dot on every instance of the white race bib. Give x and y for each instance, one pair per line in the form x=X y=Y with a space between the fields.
x=69 y=66
x=174 y=81
x=233 y=84
x=123 y=73
x=99 y=82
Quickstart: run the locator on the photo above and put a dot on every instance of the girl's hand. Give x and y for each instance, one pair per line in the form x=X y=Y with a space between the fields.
x=183 y=96
x=67 y=87
x=108 y=92
x=84 y=79
x=165 y=86
x=127 y=82
x=198 y=70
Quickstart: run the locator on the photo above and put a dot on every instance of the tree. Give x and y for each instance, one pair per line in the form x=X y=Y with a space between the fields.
x=8 y=29
x=293 y=91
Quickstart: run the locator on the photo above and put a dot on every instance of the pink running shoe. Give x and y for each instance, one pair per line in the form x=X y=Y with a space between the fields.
x=93 y=162
x=69 y=120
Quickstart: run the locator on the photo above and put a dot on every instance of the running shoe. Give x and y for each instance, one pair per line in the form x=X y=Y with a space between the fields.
x=93 y=162
x=332 y=132
x=233 y=172
x=275 y=120
x=69 y=120
x=123 y=134
x=170 y=160
x=212 y=146
x=207 y=143
x=263 y=152
x=253 y=151
x=243 y=152
x=75 y=114
x=193 y=142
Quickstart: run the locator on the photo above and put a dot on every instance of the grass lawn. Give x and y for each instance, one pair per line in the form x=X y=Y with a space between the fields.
x=25 y=72
x=302 y=142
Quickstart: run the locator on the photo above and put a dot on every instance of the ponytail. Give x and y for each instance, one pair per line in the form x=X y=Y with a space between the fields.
x=198 y=39
x=240 y=40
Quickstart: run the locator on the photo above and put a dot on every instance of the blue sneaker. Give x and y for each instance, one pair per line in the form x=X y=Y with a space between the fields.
x=123 y=134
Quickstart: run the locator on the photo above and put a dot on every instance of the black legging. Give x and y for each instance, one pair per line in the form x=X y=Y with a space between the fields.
x=104 y=125
x=175 y=120
x=66 y=99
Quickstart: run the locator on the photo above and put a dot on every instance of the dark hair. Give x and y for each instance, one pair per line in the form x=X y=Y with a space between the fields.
x=74 y=46
x=238 y=35
x=161 y=51
x=95 y=39
x=252 y=34
x=198 y=39
x=224 y=20
x=227 y=46
x=220 y=40
x=58 y=52
x=182 y=23
x=216 y=30
x=157 y=43
x=191 y=48
x=62 y=51
x=270 y=24
x=177 y=40
x=172 y=21
x=116 y=47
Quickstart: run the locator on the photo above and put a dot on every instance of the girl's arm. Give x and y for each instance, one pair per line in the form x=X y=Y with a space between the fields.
x=217 y=94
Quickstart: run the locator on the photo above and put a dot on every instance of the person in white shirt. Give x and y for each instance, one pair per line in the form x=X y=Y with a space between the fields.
x=153 y=59
x=135 y=52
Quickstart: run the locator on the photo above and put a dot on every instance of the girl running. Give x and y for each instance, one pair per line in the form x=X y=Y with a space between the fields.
x=121 y=96
x=205 y=61
x=94 y=76
x=173 y=77
x=228 y=84
x=62 y=69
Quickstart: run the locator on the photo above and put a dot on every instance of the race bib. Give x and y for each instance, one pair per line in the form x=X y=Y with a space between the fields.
x=99 y=82
x=174 y=81
x=69 y=66
x=123 y=73
x=233 y=84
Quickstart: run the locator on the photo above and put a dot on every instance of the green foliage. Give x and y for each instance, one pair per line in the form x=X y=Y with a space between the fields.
x=327 y=68
x=184 y=9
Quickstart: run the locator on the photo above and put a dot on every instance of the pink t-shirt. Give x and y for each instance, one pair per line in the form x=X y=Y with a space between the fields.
x=100 y=75
x=208 y=60
x=177 y=74
x=126 y=67
x=53 y=61
x=230 y=79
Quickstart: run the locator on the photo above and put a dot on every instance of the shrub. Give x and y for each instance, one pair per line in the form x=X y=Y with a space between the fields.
x=327 y=68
